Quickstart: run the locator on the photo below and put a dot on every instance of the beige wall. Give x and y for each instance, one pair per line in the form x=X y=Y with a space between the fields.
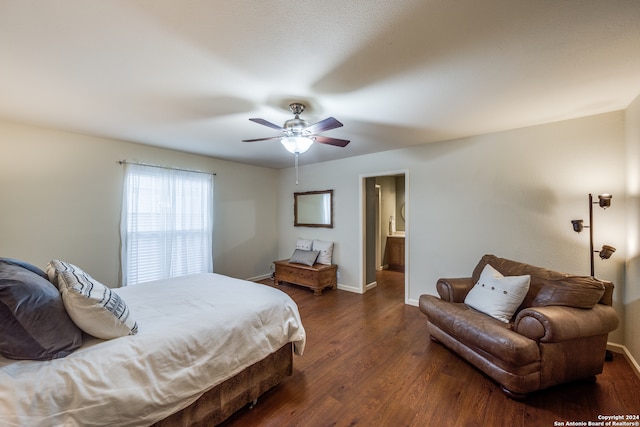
x=511 y=193
x=632 y=285
x=61 y=195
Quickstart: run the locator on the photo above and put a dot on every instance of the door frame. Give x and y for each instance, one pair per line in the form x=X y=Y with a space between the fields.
x=378 y=227
x=362 y=288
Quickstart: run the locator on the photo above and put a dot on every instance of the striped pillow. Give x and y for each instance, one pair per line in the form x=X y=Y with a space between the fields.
x=93 y=307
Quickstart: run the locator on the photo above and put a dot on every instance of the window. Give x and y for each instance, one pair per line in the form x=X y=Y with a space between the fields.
x=167 y=223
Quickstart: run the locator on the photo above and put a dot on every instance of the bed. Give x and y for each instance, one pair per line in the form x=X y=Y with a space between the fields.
x=205 y=345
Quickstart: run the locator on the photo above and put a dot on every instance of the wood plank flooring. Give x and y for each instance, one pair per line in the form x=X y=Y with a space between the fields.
x=369 y=362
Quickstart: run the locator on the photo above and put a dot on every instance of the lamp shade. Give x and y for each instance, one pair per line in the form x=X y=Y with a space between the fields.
x=578 y=225
x=604 y=200
x=607 y=251
x=296 y=144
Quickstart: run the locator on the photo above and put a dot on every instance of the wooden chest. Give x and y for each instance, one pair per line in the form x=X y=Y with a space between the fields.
x=318 y=277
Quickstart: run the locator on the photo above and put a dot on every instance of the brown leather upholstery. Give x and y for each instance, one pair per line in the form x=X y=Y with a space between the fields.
x=558 y=334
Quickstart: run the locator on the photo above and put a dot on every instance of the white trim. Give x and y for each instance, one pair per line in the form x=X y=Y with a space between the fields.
x=621 y=349
x=361 y=285
x=261 y=277
x=407 y=236
x=349 y=288
x=379 y=265
x=361 y=255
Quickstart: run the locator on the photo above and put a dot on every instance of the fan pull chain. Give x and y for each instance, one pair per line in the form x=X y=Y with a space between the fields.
x=296 y=162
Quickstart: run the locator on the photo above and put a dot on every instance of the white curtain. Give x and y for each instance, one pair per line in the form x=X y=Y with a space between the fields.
x=167 y=223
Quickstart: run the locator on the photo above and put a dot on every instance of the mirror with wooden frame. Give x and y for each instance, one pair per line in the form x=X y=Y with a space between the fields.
x=313 y=209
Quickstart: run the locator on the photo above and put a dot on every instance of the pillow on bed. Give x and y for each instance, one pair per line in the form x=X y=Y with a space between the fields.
x=26 y=265
x=33 y=322
x=304 y=257
x=96 y=309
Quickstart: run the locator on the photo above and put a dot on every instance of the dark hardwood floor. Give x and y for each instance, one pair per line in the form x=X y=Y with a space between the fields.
x=369 y=362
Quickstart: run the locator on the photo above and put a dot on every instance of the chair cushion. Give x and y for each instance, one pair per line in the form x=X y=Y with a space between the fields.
x=479 y=331
x=547 y=287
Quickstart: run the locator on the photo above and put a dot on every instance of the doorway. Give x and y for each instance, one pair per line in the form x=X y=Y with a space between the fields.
x=384 y=231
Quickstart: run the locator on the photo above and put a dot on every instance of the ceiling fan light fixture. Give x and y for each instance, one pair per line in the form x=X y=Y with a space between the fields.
x=296 y=144
x=298 y=134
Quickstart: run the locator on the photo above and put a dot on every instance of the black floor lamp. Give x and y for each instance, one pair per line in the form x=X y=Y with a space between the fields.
x=604 y=200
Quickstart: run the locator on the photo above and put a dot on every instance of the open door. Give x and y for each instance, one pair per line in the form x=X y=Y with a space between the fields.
x=384 y=216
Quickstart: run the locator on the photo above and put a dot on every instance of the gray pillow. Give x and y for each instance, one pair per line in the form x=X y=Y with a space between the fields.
x=34 y=323
x=26 y=265
x=304 y=257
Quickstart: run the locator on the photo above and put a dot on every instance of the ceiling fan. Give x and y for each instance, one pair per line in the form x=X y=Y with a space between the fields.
x=298 y=134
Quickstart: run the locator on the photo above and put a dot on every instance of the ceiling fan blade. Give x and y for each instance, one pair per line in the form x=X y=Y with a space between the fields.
x=266 y=123
x=324 y=125
x=261 y=139
x=331 y=141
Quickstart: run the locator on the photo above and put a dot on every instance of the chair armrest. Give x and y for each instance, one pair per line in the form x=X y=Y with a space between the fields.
x=454 y=290
x=560 y=323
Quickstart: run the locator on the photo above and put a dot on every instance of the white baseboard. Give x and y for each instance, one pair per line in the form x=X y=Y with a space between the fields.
x=413 y=302
x=617 y=348
x=349 y=288
x=261 y=277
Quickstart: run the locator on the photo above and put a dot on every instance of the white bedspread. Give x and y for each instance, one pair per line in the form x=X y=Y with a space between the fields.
x=194 y=332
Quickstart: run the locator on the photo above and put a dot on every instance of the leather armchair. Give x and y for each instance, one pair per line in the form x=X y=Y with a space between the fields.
x=558 y=334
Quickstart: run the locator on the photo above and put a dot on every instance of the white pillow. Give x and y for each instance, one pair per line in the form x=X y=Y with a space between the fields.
x=93 y=307
x=326 y=251
x=304 y=244
x=497 y=295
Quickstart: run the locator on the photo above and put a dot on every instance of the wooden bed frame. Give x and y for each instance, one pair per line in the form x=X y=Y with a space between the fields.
x=219 y=403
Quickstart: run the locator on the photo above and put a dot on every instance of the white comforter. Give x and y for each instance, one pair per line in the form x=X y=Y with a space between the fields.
x=194 y=332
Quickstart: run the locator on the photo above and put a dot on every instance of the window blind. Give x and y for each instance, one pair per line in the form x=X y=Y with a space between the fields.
x=167 y=223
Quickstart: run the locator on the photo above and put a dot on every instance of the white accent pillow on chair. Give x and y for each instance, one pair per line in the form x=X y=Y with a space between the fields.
x=497 y=295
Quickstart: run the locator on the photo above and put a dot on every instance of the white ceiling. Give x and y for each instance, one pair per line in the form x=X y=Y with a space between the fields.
x=188 y=74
